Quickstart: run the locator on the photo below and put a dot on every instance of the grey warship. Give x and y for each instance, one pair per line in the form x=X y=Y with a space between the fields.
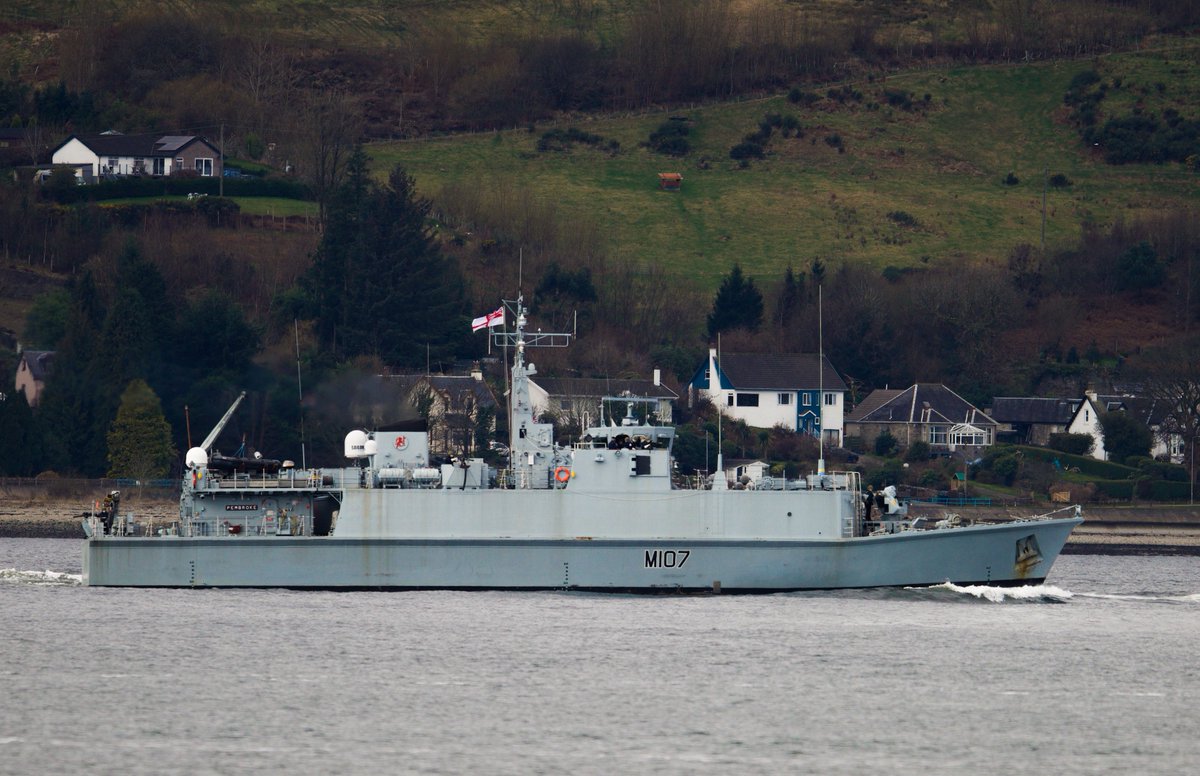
x=603 y=514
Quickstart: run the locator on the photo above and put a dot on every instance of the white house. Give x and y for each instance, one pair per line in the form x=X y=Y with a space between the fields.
x=112 y=154
x=1087 y=421
x=799 y=391
x=32 y=370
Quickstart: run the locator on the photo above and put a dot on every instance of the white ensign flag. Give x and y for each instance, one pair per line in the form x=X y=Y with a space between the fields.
x=488 y=321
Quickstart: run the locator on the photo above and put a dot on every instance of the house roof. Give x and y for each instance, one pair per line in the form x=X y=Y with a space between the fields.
x=147 y=145
x=460 y=386
x=599 y=387
x=1033 y=409
x=872 y=401
x=778 y=371
x=921 y=403
x=38 y=362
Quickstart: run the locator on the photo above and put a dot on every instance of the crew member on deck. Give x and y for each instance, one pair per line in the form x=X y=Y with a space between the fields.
x=868 y=502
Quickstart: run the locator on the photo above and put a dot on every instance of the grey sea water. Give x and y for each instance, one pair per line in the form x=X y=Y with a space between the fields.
x=1096 y=672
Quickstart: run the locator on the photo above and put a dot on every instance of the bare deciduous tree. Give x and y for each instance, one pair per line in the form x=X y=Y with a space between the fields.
x=326 y=129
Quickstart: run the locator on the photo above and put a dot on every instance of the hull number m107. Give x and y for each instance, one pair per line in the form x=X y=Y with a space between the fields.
x=666 y=559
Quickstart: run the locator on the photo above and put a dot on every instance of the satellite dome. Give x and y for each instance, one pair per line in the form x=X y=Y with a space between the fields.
x=356 y=444
x=372 y=447
x=196 y=458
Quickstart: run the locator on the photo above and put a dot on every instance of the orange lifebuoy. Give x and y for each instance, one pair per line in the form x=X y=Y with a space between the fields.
x=562 y=474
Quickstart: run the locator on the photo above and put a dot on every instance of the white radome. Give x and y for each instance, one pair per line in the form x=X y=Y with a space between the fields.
x=196 y=458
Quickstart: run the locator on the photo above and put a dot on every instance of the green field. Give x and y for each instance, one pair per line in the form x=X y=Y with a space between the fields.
x=943 y=165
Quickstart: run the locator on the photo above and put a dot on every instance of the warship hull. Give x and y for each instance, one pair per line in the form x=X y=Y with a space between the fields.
x=606 y=513
x=1004 y=554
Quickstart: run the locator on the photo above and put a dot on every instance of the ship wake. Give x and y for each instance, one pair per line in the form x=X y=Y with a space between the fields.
x=1165 y=598
x=13 y=576
x=1047 y=594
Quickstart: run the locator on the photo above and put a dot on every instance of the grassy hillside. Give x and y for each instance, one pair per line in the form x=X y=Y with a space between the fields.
x=919 y=186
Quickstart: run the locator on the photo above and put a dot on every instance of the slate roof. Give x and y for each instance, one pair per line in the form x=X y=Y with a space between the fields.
x=873 y=401
x=922 y=403
x=1034 y=409
x=39 y=362
x=778 y=372
x=598 y=387
x=457 y=386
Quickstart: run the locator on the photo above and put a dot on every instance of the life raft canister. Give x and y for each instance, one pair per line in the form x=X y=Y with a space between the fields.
x=562 y=474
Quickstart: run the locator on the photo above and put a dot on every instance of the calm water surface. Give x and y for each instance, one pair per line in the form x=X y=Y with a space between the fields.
x=1096 y=672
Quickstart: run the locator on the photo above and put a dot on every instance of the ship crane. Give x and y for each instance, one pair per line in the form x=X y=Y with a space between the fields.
x=197 y=457
x=217 y=429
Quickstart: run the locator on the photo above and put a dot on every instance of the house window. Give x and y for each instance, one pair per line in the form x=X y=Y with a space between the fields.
x=805 y=399
x=785 y=399
x=747 y=400
x=564 y=404
x=969 y=436
x=830 y=399
x=729 y=400
x=937 y=435
x=204 y=166
x=139 y=165
x=159 y=165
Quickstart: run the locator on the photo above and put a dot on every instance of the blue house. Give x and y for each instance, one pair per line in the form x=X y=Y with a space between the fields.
x=799 y=391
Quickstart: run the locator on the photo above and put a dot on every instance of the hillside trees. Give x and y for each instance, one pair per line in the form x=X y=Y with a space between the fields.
x=379 y=285
x=326 y=130
x=188 y=351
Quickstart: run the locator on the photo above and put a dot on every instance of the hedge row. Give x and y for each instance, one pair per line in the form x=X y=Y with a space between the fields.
x=1145 y=488
x=180 y=186
x=1090 y=466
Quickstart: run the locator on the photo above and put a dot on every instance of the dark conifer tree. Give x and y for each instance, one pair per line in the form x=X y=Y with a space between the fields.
x=68 y=406
x=379 y=283
x=789 y=298
x=327 y=283
x=20 y=444
x=738 y=304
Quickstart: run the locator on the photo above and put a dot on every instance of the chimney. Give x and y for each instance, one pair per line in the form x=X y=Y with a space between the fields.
x=476 y=371
x=1091 y=394
x=657 y=376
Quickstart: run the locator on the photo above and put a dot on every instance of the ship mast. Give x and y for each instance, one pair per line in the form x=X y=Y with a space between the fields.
x=531 y=445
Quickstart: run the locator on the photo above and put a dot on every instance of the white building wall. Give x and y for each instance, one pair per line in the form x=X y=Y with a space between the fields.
x=75 y=154
x=1087 y=421
x=768 y=413
x=833 y=415
x=539 y=399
